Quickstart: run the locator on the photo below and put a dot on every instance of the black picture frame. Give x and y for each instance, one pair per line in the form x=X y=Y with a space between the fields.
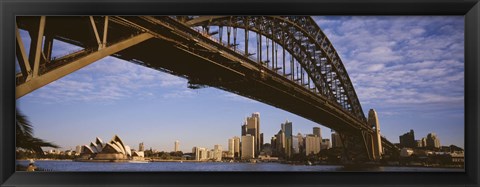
x=9 y=9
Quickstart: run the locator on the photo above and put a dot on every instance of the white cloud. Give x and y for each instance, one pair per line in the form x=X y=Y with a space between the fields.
x=401 y=62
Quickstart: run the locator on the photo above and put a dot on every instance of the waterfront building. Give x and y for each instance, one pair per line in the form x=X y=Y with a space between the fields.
x=217 y=152
x=113 y=150
x=408 y=139
x=336 y=140
x=200 y=153
x=312 y=145
x=236 y=148
x=433 y=141
x=176 y=146
x=248 y=147
x=210 y=154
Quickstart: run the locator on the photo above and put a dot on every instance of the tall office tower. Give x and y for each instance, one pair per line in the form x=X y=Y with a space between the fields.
x=408 y=139
x=288 y=138
x=336 y=140
x=273 y=143
x=231 y=148
x=177 y=146
x=311 y=144
x=248 y=146
x=280 y=137
x=377 y=147
x=236 y=148
x=141 y=147
x=433 y=141
x=244 y=128
x=261 y=142
x=217 y=152
x=253 y=128
x=318 y=132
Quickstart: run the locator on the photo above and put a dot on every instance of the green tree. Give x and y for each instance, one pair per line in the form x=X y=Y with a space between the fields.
x=24 y=135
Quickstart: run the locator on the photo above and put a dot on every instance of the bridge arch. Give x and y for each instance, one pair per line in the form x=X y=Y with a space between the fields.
x=306 y=42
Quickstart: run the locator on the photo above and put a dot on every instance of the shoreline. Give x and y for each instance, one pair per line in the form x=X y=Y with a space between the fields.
x=293 y=164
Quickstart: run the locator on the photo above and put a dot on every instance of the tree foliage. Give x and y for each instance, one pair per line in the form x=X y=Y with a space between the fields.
x=24 y=135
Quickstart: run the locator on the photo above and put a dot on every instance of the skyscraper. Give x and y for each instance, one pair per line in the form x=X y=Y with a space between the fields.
x=273 y=143
x=317 y=132
x=311 y=144
x=231 y=148
x=261 y=142
x=177 y=146
x=408 y=139
x=253 y=128
x=288 y=137
x=248 y=146
x=244 y=128
x=236 y=148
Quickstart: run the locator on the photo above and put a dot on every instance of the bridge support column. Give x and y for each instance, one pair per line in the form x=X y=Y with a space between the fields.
x=356 y=147
x=377 y=141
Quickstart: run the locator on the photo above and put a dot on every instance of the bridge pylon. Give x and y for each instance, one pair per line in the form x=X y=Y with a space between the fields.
x=363 y=145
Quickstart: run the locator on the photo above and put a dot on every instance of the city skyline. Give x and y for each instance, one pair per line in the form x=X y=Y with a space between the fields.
x=403 y=97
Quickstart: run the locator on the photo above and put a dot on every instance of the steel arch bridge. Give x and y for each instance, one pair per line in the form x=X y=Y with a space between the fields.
x=289 y=63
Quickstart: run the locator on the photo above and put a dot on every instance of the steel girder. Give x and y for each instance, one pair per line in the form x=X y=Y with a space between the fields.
x=307 y=43
x=40 y=69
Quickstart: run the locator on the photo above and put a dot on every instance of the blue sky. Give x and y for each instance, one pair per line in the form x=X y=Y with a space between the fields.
x=409 y=69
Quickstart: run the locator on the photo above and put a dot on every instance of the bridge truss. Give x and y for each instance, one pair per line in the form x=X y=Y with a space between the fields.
x=290 y=62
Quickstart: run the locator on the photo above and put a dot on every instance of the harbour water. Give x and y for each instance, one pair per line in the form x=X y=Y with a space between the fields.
x=70 y=166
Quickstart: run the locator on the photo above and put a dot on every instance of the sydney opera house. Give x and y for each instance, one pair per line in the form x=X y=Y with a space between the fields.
x=113 y=151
